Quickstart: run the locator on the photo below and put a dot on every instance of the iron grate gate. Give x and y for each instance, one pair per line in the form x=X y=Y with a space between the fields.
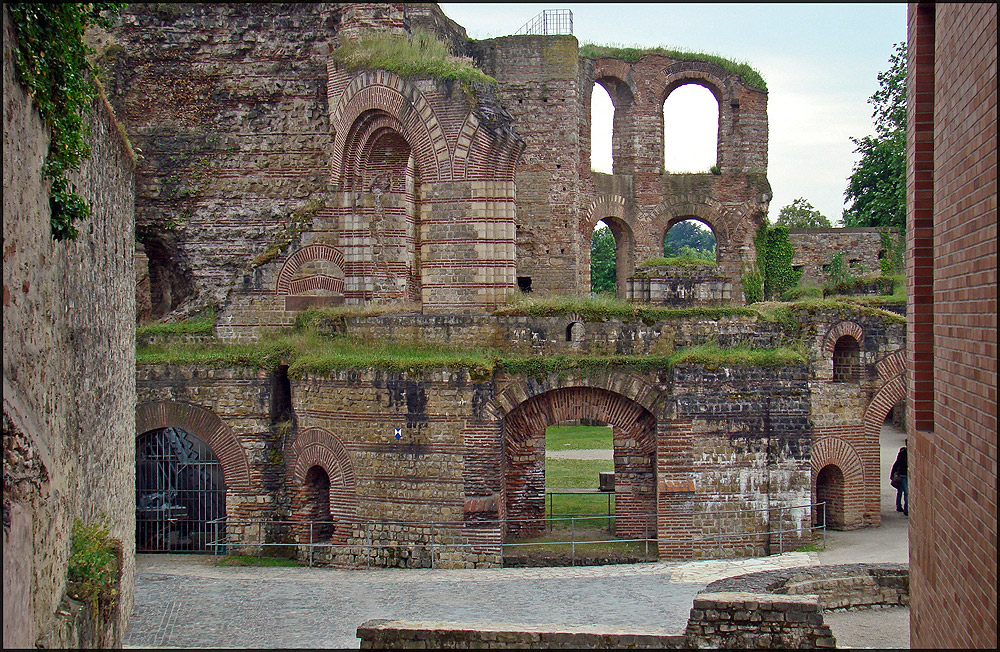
x=179 y=490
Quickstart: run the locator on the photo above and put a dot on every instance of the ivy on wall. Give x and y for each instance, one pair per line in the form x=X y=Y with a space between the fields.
x=772 y=274
x=52 y=61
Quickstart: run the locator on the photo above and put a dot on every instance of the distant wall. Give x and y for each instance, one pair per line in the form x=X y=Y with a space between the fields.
x=68 y=372
x=862 y=249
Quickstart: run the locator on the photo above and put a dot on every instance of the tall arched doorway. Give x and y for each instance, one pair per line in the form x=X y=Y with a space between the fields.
x=180 y=492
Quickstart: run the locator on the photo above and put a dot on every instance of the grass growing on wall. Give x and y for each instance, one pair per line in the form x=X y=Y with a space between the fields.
x=711 y=355
x=408 y=55
x=747 y=73
x=678 y=261
x=602 y=307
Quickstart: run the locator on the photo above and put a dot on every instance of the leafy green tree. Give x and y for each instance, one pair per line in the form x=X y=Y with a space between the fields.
x=688 y=234
x=876 y=188
x=800 y=214
x=602 y=261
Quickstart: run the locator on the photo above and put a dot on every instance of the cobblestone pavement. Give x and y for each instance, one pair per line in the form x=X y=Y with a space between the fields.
x=187 y=601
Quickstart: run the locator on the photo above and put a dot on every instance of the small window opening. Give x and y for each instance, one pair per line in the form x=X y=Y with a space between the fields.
x=846 y=360
x=524 y=284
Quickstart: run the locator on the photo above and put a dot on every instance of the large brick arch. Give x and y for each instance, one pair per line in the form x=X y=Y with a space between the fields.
x=207 y=426
x=678 y=208
x=387 y=94
x=634 y=429
x=320 y=447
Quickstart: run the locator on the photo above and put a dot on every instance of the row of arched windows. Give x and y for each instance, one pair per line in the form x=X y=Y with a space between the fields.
x=690 y=129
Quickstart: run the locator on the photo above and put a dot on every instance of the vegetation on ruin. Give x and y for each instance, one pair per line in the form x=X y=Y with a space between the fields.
x=53 y=63
x=251 y=560
x=603 y=307
x=749 y=75
x=408 y=55
x=93 y=569
x=712 y=355
x=203 y=323
x=800 y=214
x=678 y=261
x=296 y=223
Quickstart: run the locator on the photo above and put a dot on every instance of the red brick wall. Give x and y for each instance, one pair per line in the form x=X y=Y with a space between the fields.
x=952 y=336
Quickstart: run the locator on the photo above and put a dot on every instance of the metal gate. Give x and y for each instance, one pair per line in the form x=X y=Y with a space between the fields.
x=179 y=490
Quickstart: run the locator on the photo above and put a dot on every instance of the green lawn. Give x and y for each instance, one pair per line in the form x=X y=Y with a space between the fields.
x=568 y=438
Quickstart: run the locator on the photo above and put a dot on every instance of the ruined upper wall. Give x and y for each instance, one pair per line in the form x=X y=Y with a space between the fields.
x=68 y=371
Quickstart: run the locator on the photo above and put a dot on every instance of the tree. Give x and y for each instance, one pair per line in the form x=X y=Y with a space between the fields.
x=876 y=188
x=800 y=214
x=603 y=277
x=688 y=234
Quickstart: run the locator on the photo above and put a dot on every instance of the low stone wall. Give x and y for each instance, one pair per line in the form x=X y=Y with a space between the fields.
x=399 y=635
x=843 y=586
x=779 y=609
x=680 y=287
x=749 y=621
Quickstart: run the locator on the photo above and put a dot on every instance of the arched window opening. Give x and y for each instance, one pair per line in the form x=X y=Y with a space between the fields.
x=830 y=496
x=180 y=492
x=316 y=504
x=846 y=360
x=690 y=239
x=602 y=116
x=574 y=332
x=690 y=130
x=603 y=260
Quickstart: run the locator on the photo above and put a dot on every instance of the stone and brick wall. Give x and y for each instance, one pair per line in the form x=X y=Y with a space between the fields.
x=952 y=331
x=862 y=249
x=69 y=373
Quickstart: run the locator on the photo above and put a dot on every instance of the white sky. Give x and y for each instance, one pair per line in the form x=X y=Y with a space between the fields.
x=820 y=63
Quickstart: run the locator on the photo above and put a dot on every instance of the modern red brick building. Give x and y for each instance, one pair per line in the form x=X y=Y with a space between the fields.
x=952 y=331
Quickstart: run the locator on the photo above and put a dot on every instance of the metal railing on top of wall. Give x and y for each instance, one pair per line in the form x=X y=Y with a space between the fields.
x=550 y=22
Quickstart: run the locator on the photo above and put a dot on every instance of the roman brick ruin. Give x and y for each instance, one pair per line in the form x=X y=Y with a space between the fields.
x=274 y=181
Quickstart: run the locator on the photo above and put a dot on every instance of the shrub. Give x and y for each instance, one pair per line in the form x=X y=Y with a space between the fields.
x=93 y=571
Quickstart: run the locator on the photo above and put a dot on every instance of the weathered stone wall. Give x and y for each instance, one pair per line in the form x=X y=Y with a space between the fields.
x=862 y=248
x=228 y=105
x=680 y=287
x=69 y=370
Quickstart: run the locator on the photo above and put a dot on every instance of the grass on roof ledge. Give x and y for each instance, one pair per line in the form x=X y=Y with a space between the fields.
x=408 y=55
x=749 y=75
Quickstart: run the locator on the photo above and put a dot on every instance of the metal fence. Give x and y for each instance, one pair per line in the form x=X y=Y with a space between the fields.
x=549 y=23
x=427 y=543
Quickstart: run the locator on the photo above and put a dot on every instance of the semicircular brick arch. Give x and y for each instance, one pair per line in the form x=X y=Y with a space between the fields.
x=678 y=208
x=709 y=75
x=382 y=91
x=603 y=206
x=839 y=330
x=207 y=426
x=885 y=398
x=284 y=283
x=634 y=442
x=838 y=452
x=320 y=447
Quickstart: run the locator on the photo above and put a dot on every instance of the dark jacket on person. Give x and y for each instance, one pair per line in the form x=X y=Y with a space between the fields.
x=899 y=466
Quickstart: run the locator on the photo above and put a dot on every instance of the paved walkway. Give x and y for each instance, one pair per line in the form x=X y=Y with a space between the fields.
x=186 y=601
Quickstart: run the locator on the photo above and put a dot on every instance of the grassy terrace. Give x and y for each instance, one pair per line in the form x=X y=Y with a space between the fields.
x=306 y=351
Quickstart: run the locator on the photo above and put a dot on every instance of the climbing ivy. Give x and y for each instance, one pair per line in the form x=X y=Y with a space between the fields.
x=774 y=260
x=52 y=62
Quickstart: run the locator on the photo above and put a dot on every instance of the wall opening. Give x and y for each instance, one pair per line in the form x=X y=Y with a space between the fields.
x=690 y=129
x=575 y=332
x=170 y=283
x=830 y=492
x=281 y=396
x=180 y=491
x=612 y=251
x=846 y=360
x=602 y=116
x=691 y=238
x=315 y=505
x=577 y=452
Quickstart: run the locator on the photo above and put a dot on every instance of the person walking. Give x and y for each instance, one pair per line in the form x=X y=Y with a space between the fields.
x=897 y=477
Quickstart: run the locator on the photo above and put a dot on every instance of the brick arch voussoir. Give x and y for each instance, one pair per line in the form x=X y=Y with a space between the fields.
x=386 y=92
x=679 y=208
x=207 y=426
x=607 y=206
x=838 y=452
x=710 y=75
x=320 y=447
x=303 y=256
x=892 y=365
x=885 y=398
x=620 y=72
x=840 y=329
x=631 y=387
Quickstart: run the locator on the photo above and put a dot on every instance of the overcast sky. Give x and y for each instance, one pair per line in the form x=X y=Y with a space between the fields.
x=820 y=63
